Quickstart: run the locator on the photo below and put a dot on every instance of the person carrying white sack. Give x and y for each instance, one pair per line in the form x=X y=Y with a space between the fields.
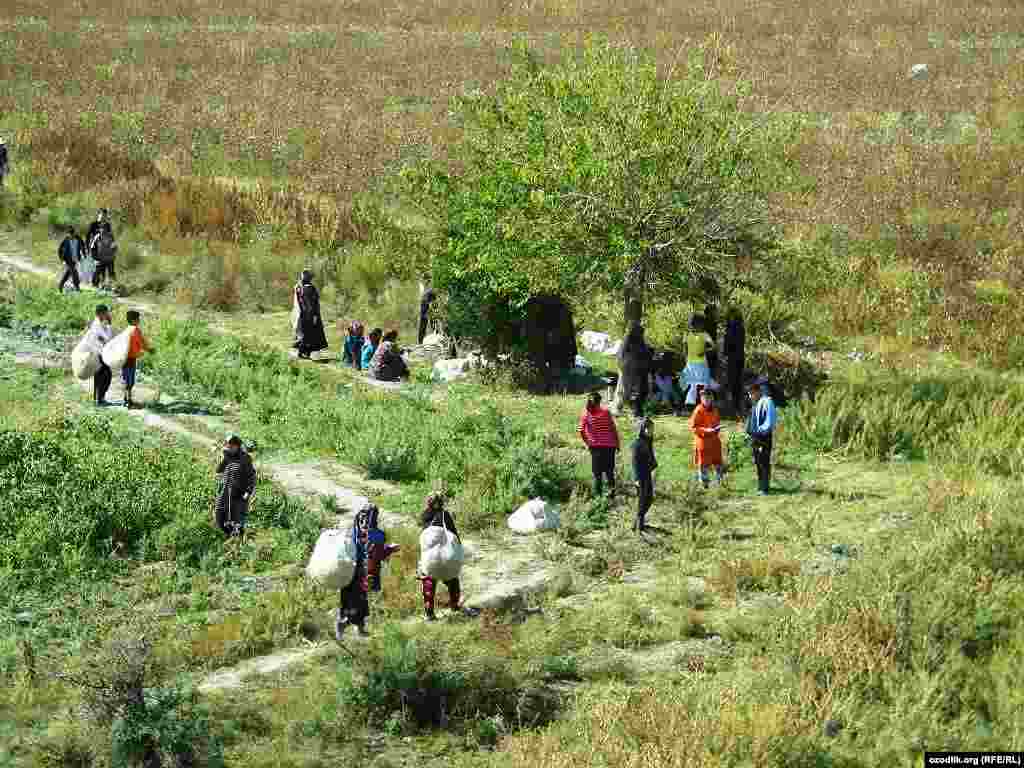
x=435 y=514
x=99 y=333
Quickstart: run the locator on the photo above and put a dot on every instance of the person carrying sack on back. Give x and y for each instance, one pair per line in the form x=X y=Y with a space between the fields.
x=372 y=550
x=99 y=333
x=599 y=433
x=760 y=428
x=70 y=252
x=435 y=513
x=137 y=346
x=239 y=483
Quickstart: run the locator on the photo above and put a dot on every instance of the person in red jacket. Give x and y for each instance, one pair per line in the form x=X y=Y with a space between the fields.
x=597 y=428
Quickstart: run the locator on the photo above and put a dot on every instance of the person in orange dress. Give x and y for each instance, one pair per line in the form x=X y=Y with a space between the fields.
x=706 y=424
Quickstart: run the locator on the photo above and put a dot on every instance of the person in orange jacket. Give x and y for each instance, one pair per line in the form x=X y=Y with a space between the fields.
x=706 y=424
x=137 y=345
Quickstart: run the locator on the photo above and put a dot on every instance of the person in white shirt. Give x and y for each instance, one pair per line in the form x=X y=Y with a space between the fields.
x=760 y=427
x=99 y=333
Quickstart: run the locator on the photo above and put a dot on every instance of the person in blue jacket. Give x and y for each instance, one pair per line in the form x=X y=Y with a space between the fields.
x=760 y=428
x=370 y=347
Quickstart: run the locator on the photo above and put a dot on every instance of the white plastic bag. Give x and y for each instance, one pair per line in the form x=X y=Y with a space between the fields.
x=441 y=553
x=86 y=269
x=85 y=359
x=115 y=351
x=595 y=342
x=333 y=562
x=535 y=515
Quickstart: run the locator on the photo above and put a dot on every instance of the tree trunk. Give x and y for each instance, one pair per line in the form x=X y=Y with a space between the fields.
x=633 y=314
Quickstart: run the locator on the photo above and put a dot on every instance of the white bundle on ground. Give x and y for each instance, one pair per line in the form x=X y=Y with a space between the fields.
x=85 y=359
x=86 y=269
x=441 y=554
x=333 y=562
x=451 y=370
x=595 y=342
x=115 y=351
x=535 y=515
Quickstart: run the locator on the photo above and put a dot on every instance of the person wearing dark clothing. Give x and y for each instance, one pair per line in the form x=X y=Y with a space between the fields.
x=372 y=549
x=309 y=336
x=425 y=302
x=644 y=464
x=600 y=435
x=635 y=359
x=352 y=350
x=98 y=335
x=71 y=250
x=711 y=328
x=735 y=356
x=4 y=162
x=387 y=363
x=237 y=488
x=435 y=513
x=760 y=428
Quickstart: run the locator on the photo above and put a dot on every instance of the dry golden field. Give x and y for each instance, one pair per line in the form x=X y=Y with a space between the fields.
x=327 y=98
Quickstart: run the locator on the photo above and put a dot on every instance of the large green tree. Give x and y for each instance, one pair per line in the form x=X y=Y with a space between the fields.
x=601 y=173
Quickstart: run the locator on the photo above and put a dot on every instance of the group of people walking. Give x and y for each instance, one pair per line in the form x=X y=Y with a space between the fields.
x=377 y=353
x=99 y=245
x=600 y=434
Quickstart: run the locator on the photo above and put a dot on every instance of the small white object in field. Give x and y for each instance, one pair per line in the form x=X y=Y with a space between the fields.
x=593 y=341
x=533 y=516
x=451 y=370
x=919 y=71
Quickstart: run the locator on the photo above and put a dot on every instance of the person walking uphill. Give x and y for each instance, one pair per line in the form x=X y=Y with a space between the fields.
x=760 y=427
x=137 y=346
x=435 y=513
x=644 y=464
x=600 y=435
x=4 y=161
x=98 y=335
x=706 y=423
x=372 y=549
x=309 y=335
x=237 y=488
x=71 y=251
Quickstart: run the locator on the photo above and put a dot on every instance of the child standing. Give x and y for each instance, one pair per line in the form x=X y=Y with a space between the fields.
x=137 y=345
x=644 y=464
x=599 y=434
x=372 y=550
x=706 y=424
x=761 y=427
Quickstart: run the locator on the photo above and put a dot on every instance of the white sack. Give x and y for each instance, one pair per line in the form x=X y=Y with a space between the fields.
x=333 y=562
x=441 y=554
x=535 y=515
x=115 y=351
x=594 y=341
x=450 y=370
x=614 y=348
x=85 y=359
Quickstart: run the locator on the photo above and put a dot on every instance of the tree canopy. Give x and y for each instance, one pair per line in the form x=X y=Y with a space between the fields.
x=599 y=173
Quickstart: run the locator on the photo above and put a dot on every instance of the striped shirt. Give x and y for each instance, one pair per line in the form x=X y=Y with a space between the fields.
x=597 y=428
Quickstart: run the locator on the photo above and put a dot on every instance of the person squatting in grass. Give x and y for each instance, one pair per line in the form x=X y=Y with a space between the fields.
x=760 y=428
x=137 y=346
x=436 y=514
x=70 y=252
x=644 y=465
x=370 y=348
x=706 y=423
x=600 y=435
x=387 y=363
x=372 y=550
x=352 y=348
x=238 y=484
x=99 y=333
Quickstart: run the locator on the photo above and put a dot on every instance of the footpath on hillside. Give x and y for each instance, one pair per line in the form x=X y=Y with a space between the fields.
x=501 y=571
